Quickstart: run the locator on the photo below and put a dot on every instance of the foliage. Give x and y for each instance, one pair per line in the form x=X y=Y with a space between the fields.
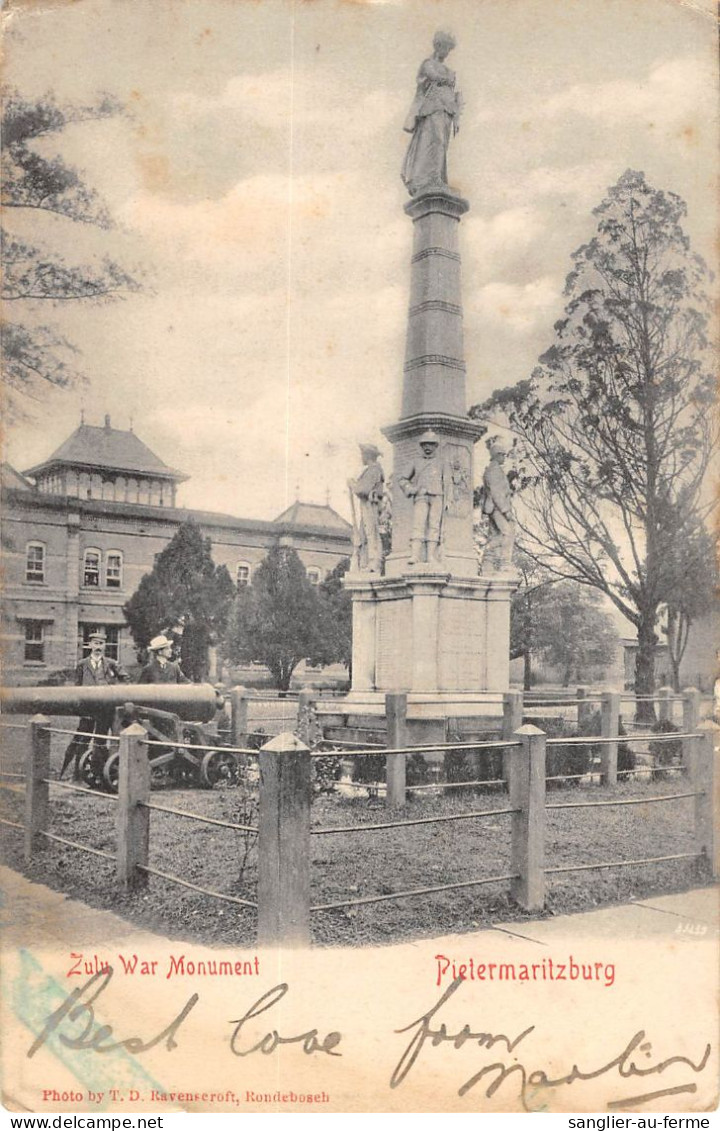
x=615 y=425
x=665 y=753
x=279 y=620
x=337 y=614
x=472 y=765
x=572 y=630
x=560 y=620
x=694 y=560
x=184 y=583
x=36 y=179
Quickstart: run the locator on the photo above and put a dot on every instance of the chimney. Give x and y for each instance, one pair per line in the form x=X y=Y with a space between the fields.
x=107 y=421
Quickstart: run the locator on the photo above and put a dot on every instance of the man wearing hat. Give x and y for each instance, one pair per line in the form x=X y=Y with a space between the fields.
x=368 y=487
x=497 y=505
x=427 y=483
x=161 y=668
x=94 y=671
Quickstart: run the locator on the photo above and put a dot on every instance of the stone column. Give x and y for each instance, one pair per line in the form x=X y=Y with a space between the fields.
x=434 y=372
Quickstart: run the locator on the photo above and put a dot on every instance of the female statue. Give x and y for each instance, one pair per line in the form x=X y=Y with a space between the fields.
x=433 y=116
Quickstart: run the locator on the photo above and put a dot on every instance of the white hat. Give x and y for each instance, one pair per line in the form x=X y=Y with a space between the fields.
x=498 y=444
x=98 y=635
x=159 y=642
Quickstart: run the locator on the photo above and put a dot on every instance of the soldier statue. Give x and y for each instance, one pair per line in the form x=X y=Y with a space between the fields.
x=497 y=505
x=368 y=489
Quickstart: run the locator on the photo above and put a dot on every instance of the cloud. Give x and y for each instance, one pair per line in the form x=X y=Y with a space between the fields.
x=510 y=230
x=523 y=308
x=673 y=91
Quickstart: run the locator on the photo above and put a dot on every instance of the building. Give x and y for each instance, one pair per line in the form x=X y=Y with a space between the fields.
x=81 y=528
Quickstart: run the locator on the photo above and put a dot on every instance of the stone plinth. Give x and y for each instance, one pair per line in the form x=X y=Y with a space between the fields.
x=444 y=639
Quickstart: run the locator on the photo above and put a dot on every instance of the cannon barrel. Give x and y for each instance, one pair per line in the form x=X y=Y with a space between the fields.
x=196 y=702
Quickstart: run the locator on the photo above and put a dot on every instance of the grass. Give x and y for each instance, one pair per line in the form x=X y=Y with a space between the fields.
x=353 y=865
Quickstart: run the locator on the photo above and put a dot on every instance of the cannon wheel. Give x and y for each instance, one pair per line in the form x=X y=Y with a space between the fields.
x=90 y=773
x=220 y=767
x=111 y=772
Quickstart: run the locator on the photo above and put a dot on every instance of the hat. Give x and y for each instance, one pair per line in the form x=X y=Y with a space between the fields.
x=99 y=635
x=371 y=449
x=498 y=444
x=429 y=437
x=159 y=642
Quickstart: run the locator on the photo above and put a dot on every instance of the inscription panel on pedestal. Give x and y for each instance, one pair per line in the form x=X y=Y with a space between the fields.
x=461 y=664
x=394 y=645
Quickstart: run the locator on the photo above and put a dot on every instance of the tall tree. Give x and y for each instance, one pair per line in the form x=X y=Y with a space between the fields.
x=336 y=605
x=615 y=425
x=35 y=179
x=692 y=593
x=184 y=583
x=524 y=612
x=279 y=619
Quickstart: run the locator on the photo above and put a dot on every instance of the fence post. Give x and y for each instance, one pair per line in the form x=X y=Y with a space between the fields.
x=690 y=720
x=584 y=709
x=512 y=721
x=239 y=716
x=307 y=723
x=396 y=715
x=37 y=791
x=527 y=793
x=705 y=776
x=665 y=704
x=609 y=728
x=133 y=818
x=283 y=891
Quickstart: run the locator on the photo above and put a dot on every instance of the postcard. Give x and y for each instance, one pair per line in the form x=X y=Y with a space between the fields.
x=359 y=609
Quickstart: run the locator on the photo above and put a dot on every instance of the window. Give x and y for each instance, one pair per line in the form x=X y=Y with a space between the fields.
x=34 y=642
x=243 y=575
x=313 y=576
x=35 y=562
x=113 y=569
x=91 y=569
x=112 y=642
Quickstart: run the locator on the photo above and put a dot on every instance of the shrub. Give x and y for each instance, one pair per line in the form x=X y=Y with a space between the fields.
x=665 y=753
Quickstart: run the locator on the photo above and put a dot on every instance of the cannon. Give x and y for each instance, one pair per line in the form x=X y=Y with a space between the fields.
x=184 y=753
x=174 y=715
x=190 y=701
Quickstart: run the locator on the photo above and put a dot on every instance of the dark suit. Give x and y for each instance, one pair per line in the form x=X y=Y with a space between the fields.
x=100 y=722
x=169 y=672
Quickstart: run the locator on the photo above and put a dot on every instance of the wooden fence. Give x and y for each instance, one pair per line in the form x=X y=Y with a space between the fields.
x=284 y=828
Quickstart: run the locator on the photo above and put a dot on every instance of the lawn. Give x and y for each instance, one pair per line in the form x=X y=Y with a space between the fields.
x=353 y=865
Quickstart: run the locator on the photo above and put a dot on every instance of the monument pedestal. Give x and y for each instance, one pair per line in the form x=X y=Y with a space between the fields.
x=442 y=638
x=433 y=628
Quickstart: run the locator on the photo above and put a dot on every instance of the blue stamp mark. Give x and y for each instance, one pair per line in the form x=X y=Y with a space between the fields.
x=35 y=995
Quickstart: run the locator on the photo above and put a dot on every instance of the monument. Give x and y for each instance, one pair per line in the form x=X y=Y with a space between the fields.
x=432 y=624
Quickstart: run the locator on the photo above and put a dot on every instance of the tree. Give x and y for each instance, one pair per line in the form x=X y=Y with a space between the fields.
x=279 y=619
x=559 y=620
x=184 y=583
x=573 y=631
x=37 y=355
x=615 y=425
x=337 y=614
x=695 y=565
x=524 y=614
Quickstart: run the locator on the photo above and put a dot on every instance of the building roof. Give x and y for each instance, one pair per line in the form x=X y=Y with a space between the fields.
x=107 y=448
x=313 y=514
x=9 y=477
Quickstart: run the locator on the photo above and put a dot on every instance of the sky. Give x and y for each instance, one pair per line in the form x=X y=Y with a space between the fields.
x=254 y=177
